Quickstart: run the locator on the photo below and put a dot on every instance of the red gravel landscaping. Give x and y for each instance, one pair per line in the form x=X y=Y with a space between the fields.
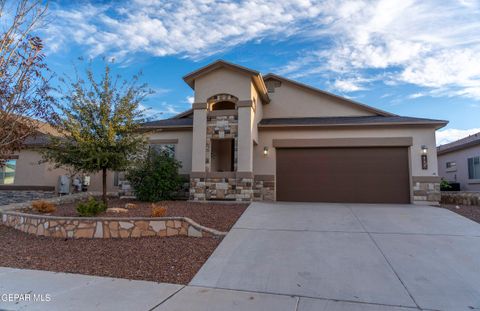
x=470 y=211
x=171 y=260
x=220 y=216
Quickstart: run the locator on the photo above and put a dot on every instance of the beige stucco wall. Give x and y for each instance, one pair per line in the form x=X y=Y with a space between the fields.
x=30 y=173
x=460 y=174
x=421 y=136
x=290 y=101
x=183 y=149
x=199 y=140
x=222 y=81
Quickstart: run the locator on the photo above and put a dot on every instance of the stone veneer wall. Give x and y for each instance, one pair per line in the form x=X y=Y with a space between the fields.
x=461 y=197
x=216 y=187
x=105 y=228
x=264 y=188
x=221 y=127
x=221 y=185
x=426 y=190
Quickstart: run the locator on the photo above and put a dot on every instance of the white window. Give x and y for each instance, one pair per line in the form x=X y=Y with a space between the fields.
x=451 y=166
x=474 y=168
x=166 y=148
x=7 y=172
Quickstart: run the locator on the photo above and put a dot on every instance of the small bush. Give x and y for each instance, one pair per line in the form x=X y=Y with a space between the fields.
x=43 y=207
x=156 y=177
x=158 y=210
x=91 y=208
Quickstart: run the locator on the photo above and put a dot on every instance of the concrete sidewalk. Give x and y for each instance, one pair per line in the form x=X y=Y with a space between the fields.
x=82 y=292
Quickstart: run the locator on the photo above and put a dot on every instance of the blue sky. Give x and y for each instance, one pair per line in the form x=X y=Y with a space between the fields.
x=414 y=58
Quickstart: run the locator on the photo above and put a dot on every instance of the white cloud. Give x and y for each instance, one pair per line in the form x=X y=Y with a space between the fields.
x=190 y=99
x=194 y=28
x=431 y=44
x=348 y=85
x=449 y=135
x=428 y=43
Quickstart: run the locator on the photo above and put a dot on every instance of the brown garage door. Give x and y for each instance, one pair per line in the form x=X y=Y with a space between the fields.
x=349 y=175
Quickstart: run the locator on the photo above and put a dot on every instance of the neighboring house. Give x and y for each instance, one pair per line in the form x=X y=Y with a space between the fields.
x=253 y=137
x=459 y=162
x=24 y=170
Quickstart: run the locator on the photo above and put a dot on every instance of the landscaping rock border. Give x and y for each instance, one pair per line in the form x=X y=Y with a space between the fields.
x=99 y=227
x=461 y=197
x=105 y=227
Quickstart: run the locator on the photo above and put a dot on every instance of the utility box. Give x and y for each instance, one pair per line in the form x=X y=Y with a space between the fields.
x=63 y=184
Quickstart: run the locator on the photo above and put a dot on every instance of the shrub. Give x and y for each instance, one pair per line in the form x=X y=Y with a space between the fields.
x=158 y=210
x=445 y=185
x=91 y=208
x=155 y=178
x=43 y=207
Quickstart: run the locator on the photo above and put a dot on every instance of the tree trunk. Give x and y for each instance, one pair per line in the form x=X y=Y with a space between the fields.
x=104 y=186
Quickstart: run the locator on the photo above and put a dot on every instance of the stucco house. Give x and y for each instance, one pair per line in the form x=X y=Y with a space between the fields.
x=459 y=162
x=253 y=137
x=25 y=170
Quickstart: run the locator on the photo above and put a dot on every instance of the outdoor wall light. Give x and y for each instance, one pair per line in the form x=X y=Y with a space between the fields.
x=424 y=157
x=424 y=149
x=265 y=151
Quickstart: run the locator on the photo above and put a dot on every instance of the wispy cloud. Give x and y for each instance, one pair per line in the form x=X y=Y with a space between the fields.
x=449 y=135
x=192 y=28
x=430 y=44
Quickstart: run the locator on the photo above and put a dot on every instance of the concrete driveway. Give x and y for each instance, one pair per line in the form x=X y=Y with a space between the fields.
x=369 y=257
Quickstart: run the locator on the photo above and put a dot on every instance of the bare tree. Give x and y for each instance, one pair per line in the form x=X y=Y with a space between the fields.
x=24 y=77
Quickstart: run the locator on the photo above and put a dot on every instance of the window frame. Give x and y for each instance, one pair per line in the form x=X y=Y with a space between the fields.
x=3 y=172
x=451 y=168
x=473 y=168
x=169 y=148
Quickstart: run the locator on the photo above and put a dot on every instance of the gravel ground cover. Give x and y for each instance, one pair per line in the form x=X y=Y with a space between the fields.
x=171 y=260
x=470 y=211
x=215 y=215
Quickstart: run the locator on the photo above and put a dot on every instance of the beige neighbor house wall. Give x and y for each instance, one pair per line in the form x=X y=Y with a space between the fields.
x=266 y=165
x=30 y=173
x=183 y=145
x=291 y=101
x=460 y=173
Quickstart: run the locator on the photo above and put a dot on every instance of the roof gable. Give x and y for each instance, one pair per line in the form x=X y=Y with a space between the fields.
x=255 y=75
x=337 y=98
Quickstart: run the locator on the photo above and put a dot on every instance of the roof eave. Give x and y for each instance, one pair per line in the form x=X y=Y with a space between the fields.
x=437 y=125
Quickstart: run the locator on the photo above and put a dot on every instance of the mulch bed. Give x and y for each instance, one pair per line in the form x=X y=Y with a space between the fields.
x=171 y=260
x=470 y=211
x=220 y=216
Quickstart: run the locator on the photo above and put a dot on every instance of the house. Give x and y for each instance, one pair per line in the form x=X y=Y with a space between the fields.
x=459 y=162
x=253 y=137
x=25 y=170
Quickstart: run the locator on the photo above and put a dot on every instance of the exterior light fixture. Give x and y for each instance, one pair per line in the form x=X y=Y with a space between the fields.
x=424 y=157
x=424 y=149
x=265 y=151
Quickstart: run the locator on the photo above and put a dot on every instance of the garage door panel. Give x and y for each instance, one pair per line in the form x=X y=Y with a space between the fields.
x=356 y=175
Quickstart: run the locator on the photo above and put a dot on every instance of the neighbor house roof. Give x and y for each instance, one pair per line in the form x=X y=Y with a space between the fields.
x=256 y=76
x=464 y=143
x=350 y=121
x=318 y=91
x=169 y=123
